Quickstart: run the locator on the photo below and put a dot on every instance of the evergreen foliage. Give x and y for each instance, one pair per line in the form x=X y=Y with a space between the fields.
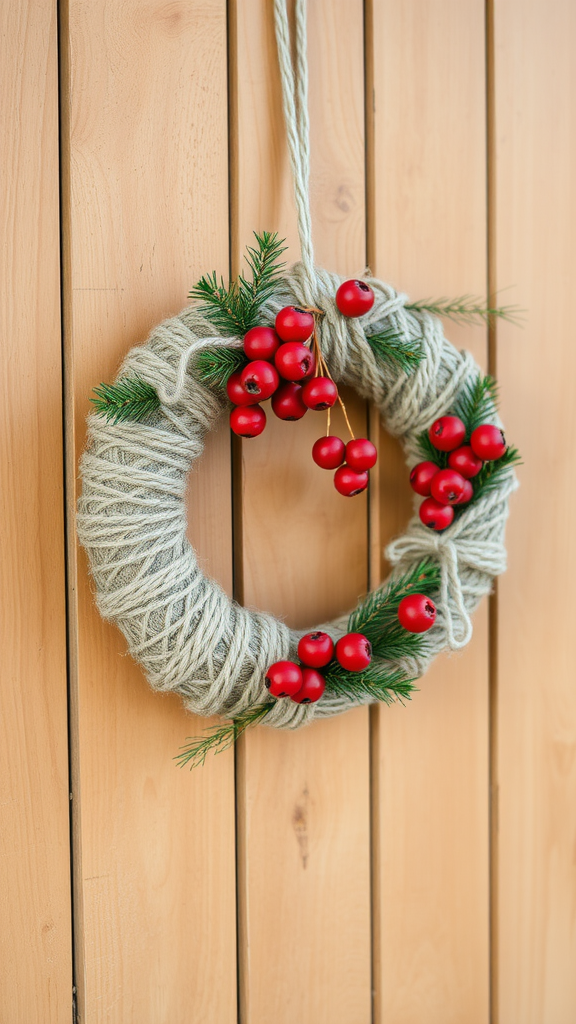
x=127 y=399
x=377 y=616
x=391 y=347
x=235 y=308
x=467 y=309
x=214 y=366
x=221 y=737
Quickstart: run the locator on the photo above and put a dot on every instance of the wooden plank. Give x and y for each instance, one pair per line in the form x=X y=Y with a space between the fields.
x=427 y=234
x=146 y=130
x=534 y=165
x=35 y=932
x=303 y=798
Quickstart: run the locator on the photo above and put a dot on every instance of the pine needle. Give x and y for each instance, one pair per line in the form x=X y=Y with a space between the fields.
x=127 y=399
x=235 y=308
x=392 y=348
x=220 y=737
x=377 y=616
x=214 y=366
x=376 y=683
x=477 y=403
x=492 y=474
x=467 y=309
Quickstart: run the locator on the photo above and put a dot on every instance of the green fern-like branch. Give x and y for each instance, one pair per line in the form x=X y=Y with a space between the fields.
x=127 y=399
x=477 y=402
x=392 y=348
x=214 y=366
x=221 y=737
x=235 y=308
x=377 y=616
x=492 y=474
x=378 y=682
x=467 y=309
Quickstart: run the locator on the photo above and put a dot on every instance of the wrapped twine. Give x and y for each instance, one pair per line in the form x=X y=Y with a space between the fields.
x=189 y=637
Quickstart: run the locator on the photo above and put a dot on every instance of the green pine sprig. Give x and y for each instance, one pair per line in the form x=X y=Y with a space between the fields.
x=221 y=737
x=235 y=308
x=214 y=366
x=492 y=473
x=467 y=309
x=128 y=399
x=378 y=682
x=377 y=616
x=390 y=347
x=477 y=403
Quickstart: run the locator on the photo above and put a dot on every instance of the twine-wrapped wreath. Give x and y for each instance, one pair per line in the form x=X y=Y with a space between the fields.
x=188 y=636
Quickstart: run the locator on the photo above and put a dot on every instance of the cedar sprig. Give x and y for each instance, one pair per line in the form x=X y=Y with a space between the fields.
x=235 y=308
x=128 y=399
x=467 y=309
x=378 y=682
x=492 y=473
x=477 y=402
x=377 y=616
x=391 y=347
x=214 y=366
x=221 y=737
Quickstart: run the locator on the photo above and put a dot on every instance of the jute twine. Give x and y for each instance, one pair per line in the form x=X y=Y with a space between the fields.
x=189 y=637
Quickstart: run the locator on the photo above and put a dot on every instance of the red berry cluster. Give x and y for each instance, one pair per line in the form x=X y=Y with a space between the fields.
x=303 y=683
x=442 y=489
x=287 y=365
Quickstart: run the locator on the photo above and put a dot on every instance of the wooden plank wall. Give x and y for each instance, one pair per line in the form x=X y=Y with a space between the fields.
x=35 y=917
x=393 y=866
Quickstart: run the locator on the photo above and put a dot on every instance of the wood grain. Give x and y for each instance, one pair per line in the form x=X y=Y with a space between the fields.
x=427 y=230
x=35 y=917
x=534 y=165
x=145 y=133
x=303 y=798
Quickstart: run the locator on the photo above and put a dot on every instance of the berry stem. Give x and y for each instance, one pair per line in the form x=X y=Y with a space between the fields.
x=322 y=366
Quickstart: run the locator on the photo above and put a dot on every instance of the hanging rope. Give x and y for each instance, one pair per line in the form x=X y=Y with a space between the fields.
x=295 y=99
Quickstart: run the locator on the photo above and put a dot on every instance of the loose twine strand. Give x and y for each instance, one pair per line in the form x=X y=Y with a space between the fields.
x=189 y=637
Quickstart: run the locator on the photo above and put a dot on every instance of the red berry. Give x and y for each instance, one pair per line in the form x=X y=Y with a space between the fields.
x=416 y=613
x=284 y=678
x=354 y=652
x=361 y=454
x=261 y=343
x=294 y=324
x=348 y=482
x=488 y=442
x=421 y=477
x=435 y=515
x=447 y=433
x=260 y=378
x=316 y=649
x=447 y=486
x=312 y=687
x=319 y=393
x=465 y=462
x=236 y=391
x=354 y=298
x=248 y=421
x=294 y=361
x=467 y=494
x=287 y=402
x=328 y=452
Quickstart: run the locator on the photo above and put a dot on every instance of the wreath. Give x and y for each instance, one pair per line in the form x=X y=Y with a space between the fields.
x=292 y=337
